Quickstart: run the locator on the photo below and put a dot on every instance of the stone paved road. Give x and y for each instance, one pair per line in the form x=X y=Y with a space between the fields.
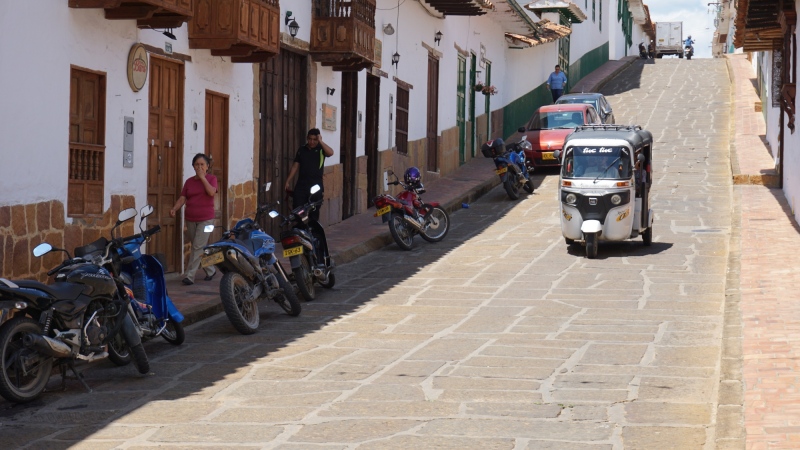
x=500 y=337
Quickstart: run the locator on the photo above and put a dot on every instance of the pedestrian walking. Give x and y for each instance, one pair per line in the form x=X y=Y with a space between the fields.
x=309 y=164
x=198 y=196
x=556 y=82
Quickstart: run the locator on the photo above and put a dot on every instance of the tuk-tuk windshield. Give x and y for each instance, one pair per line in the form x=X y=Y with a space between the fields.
x=597 y=162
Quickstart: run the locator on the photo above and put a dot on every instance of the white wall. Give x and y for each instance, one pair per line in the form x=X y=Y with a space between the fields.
x=36 y=87
x=791 y=155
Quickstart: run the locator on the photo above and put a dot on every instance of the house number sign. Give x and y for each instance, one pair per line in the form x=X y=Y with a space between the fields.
x=137 y=67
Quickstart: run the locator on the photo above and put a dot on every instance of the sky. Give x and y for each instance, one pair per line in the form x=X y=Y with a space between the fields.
x=697 y=21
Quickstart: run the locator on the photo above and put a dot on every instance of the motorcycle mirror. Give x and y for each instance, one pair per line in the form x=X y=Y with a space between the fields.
x=315 y=188
x=146 y=211
x=521 y=129
x=126 y=214
x=640 y=157
x=42 y=249
x=208 y=228
x=557 y=154
x=274 y=214
x=267 y=186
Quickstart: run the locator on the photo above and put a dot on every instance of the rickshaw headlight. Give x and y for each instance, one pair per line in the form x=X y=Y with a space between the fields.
x=571 y=198
x=616 y=199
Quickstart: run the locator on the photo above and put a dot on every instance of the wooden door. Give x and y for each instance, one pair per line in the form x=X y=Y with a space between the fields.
x=217 y=147
x=433 y=114
x=486 y=99
x=283 y=93
x=371 y=138
x=347 y=145
x=472 y=79
x=165 y=152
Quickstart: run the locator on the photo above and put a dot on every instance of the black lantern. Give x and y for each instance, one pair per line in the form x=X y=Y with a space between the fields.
x=437 y=37
x=396 y=58
x=293 y=27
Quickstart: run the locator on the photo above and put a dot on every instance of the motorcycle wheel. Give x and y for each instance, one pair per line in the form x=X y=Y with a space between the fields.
x=511 y=187
x=331 y=281
x=528 y=186
x=173 y=333
x=118 y=351
x=435 y=233
x=22 y=384
x=234 y=289
x=400 y=232
x=305 y=279
x=287 y=300
x=137 y=349
x=591 y=245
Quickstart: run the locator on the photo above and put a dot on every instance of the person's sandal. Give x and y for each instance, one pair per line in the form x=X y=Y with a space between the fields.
x=209 y=277
x=187 y=281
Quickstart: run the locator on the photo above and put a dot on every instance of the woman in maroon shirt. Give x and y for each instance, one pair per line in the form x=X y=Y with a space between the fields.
x=198 y=196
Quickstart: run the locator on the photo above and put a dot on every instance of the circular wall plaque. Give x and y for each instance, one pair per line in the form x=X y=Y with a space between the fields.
x=137 y=67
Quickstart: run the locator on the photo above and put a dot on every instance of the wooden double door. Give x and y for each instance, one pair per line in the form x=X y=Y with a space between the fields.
x=165 y=174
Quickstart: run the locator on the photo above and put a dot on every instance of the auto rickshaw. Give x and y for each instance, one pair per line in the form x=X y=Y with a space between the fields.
x=604 y=185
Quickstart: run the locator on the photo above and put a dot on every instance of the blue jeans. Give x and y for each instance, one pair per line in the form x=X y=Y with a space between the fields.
x=556 y=93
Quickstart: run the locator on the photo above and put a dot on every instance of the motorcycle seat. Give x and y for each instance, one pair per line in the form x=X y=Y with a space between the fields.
x=59 y=290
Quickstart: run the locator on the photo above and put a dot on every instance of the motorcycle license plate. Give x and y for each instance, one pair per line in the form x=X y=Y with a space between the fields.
x=212 y=259
x=294 y=251
x=385 y=210
x=501 y=170
x=548 y=156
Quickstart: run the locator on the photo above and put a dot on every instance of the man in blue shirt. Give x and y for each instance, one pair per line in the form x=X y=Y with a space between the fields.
x=556 y=83
x=688 y=42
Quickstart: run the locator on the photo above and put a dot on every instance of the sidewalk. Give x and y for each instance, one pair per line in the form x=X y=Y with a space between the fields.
x=363 y=233
x=767 y=292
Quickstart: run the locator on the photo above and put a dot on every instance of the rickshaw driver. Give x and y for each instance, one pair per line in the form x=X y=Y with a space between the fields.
x=603 y=165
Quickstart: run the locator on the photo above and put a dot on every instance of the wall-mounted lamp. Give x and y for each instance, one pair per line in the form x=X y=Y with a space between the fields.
x=330 y=91
x=287 y=18
x=437 y=37
x=388 y=29
x=168 y=33
x=396 y=58
x=293 y=27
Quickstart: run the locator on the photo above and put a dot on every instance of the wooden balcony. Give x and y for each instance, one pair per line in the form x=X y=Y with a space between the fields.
x=147 y=13
x=245 y=30
x=343 y=34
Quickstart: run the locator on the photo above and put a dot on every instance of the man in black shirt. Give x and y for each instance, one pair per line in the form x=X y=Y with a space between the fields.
x=309 y=165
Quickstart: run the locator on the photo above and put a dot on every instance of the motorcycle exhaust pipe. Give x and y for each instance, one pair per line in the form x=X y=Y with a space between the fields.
x=47 y=346
x=243 y=264
x=413 y=222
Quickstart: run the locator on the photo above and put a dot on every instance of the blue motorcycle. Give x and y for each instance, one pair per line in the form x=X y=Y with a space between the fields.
x=246 y=257
x=152 y=310
x=511 y=164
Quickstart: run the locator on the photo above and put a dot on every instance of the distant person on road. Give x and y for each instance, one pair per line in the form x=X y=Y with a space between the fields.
x=651 y=50
x=309 y=164
x=688 y=42
x=556 y=83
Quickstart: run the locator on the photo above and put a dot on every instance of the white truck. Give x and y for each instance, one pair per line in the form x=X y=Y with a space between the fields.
x=669 y=39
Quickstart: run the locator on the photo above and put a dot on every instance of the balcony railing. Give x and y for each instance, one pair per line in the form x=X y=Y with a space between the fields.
x=147 y=13
x=343 y=33
x=245 y=30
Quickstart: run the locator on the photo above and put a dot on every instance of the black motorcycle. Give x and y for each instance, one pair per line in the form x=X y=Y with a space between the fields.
x=73 y=319
x=305 y=245
x=642 y=51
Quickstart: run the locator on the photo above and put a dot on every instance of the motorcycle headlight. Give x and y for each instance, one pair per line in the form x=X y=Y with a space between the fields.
x=571 y=198
x=616 y=199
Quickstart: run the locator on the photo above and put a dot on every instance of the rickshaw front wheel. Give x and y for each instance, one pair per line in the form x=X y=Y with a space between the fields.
x=591 y=245
x=569 y=241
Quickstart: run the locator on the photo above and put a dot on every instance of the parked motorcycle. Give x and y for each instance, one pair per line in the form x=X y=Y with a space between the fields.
x=512 y=167
x=75 y=318
x=305 y=245
x=408 y=215
x=151 y=309
x=642 y=51
x=246 y=257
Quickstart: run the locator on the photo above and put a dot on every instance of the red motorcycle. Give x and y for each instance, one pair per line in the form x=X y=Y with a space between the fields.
x=408 y=215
